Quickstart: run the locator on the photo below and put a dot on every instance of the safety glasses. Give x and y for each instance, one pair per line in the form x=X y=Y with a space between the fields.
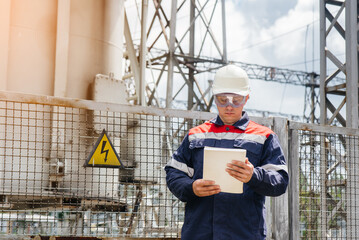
x=226 y=99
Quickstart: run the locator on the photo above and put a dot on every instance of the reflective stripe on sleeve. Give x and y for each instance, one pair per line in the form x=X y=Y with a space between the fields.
x=228 y=136
x=181 y=166
x=272 y=167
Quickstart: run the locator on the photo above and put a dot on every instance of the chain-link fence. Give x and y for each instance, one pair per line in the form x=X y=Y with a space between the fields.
x=51 y=186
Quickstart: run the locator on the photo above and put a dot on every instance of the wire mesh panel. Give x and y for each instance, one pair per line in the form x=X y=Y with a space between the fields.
x=328 y=191
x=47 y=189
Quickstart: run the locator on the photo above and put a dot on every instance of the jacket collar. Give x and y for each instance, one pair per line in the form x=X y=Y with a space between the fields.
x=240 y=124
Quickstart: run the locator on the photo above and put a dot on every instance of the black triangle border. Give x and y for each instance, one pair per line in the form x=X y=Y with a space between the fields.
x=86 y=164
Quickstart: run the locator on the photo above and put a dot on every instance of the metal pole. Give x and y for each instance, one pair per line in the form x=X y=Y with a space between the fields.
x=351 y=44
x=143 y=52
x=312 y=98
x=352 y=189
x=351 y=40
x=191 y=54
x=224 y=57
x=323 y=119
x=293 y=188
x=323 y=216
x=323 y=65
x=135 y=68
x=279 y=205
x=171 y=54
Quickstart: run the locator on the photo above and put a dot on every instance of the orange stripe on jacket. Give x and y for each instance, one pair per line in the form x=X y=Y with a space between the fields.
x=252 y=128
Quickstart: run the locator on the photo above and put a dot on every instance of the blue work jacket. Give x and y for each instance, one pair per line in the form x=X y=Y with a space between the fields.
x=227 y=215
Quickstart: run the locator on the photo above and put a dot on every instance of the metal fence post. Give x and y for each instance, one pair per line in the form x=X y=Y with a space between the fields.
x=352 y=188
x=293 y=187
x=279 y=205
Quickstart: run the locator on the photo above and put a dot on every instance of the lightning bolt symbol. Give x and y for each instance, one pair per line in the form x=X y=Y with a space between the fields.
x=104 y=151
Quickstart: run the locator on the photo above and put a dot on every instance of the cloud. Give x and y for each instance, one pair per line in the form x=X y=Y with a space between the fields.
x=274 y=35
x=278 y=33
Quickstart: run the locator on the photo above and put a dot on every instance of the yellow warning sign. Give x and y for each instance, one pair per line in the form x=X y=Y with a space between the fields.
x=103 y=154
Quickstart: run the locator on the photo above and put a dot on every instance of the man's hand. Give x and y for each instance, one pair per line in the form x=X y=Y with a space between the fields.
x=204 y=188
x=241 y=171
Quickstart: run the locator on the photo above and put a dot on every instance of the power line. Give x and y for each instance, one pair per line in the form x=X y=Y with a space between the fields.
x=299 y=63
x=308 y=61
x=275 y=37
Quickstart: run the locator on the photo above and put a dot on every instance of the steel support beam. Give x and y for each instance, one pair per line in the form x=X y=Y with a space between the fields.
x=191 y=54
x=131 y=54
x=143 y=53
x=351 y=37
x=224 y=32
x=171 y=59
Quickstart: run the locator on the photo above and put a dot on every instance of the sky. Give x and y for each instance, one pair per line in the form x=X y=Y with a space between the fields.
x=278 y=33
x=275 y=33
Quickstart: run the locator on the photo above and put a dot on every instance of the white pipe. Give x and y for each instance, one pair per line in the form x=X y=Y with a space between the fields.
x=4 y=40
x=62 y=48
x=113 y=37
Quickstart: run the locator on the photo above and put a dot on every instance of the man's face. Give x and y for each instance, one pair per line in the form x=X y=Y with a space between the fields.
x=230 y=107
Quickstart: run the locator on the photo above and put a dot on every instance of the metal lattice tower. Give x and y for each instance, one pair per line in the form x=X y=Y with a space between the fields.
x=177 y=65
x=339 y=20
x=167 y=52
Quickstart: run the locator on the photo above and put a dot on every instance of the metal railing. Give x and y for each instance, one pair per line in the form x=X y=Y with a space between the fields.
x=49 y=189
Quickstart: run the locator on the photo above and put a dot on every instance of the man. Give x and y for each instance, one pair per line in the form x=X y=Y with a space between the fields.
x=210 y=213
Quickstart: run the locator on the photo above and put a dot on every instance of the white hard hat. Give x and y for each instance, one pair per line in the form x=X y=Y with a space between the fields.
x=231 y=79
